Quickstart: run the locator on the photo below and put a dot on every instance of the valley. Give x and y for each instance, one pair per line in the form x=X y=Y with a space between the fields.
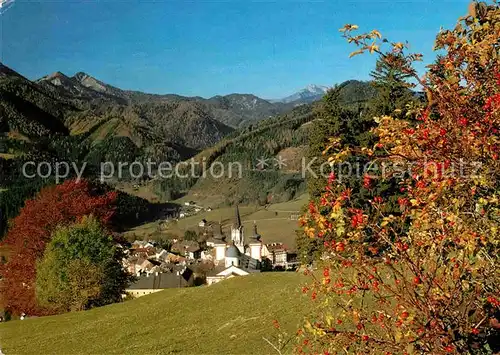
x=175 y=180
x=83 y=121
x=277 y=223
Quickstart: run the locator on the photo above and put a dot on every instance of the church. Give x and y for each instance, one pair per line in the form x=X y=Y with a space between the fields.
x=239 y=256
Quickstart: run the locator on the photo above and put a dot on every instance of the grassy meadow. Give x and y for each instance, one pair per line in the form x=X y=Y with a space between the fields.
x=232 y=317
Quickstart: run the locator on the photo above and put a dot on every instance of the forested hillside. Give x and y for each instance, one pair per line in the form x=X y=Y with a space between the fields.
x=271 y=154
x=26 y=110
x=84 y=121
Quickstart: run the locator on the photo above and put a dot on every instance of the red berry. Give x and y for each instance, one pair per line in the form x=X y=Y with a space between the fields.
x=367 y=182
x=331 y=178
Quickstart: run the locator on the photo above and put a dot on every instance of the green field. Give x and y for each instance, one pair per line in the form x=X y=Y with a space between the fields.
x=274 y=223
x=232 y=317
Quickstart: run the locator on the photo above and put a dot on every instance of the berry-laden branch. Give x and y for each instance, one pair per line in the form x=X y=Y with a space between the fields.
x=422 y=277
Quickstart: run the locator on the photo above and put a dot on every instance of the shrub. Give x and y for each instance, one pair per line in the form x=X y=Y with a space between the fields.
x=80 y=269
x=424 y=280
x=190 y=235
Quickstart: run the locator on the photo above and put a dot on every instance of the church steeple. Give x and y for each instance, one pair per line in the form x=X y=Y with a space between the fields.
x=237 y=218
x=255 y=244
x=237 y=232
x=255 y=237
x=220 y=229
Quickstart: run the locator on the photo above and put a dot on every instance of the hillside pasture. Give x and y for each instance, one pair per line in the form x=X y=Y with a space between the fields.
x=231 y=317
x=274 y=223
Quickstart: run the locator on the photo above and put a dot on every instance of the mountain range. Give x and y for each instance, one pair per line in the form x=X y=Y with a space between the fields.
x=77 y=104
x=235 y=110
x=82 y=119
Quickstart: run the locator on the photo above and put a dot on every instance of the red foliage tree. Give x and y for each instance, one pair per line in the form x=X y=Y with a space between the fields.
x=30 y=232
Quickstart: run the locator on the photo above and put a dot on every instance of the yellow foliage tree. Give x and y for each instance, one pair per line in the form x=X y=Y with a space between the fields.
x=425 y=280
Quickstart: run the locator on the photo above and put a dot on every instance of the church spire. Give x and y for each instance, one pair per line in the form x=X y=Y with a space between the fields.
x=237 y=232
x=237 y=219
x=220 y=227
x=218 y=232
x=255 y=237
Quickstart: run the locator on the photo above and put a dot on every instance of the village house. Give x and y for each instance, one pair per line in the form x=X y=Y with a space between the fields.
x=138 y=265
x=280 y=256
x=219 y=274
x=162 y=255
x=151 y=283
x=190 y=249
x=138 y=244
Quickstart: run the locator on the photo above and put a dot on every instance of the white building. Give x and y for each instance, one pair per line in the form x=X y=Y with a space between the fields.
x=238 y=257
x=227 y=273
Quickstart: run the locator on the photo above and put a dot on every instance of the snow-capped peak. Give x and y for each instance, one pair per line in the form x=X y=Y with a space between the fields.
x=310 y=93
x=313 y=88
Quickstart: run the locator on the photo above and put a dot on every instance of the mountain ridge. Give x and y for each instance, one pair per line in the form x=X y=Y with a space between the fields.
x=59 y=104
x=235 y=110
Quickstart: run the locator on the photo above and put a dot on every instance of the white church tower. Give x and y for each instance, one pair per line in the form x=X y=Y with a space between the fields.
x=219 y=244
x=237 y=236
x=255 y=244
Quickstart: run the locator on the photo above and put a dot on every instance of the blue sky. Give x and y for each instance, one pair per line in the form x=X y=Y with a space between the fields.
x=206 y=48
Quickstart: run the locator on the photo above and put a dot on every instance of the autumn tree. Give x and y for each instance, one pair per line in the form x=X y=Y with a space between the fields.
x=70 y=287
x=425 y=280
x=31 y=230
x=352 y=127
x=81 y=268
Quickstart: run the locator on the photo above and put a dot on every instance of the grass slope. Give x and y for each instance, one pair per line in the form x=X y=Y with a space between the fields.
x=231 y=317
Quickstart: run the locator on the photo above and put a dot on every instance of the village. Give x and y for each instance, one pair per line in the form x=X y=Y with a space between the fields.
x=203 y=259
